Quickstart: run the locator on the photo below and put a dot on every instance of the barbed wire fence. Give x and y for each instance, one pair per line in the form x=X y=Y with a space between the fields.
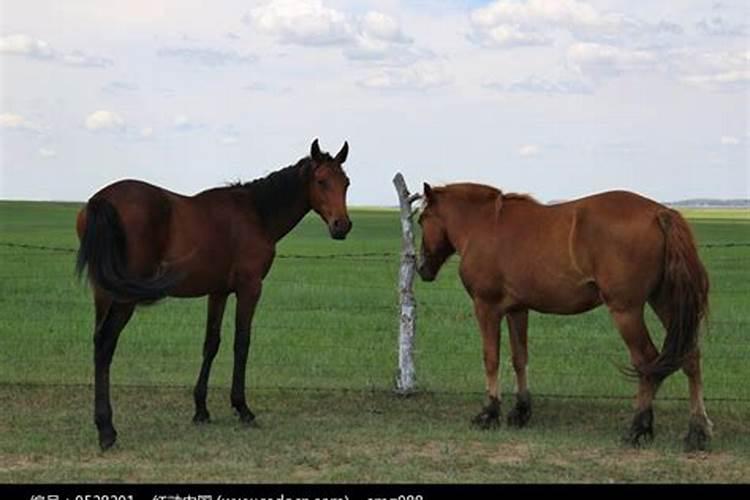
x=343 y=359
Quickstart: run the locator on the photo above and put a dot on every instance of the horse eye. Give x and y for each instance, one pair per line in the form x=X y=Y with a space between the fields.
x=322 y=182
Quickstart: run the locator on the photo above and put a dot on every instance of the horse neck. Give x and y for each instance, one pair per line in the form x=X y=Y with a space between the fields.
x=285 y=220
x=462 y=217
x=284 y=201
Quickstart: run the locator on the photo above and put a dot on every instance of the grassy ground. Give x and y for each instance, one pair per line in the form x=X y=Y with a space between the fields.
x=322 y=363
x=358 y=436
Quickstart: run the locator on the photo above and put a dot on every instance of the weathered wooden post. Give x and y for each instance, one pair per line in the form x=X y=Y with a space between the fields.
x=405 y=376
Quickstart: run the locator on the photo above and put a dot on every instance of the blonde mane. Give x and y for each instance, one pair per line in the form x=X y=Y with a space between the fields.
x=480 y=192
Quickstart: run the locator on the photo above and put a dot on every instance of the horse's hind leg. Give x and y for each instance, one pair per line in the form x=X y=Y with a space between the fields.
x=700 y=427
x=111 y=319
x=488 y=317
x=518 y=326
x=216 y=305
x=633 y=329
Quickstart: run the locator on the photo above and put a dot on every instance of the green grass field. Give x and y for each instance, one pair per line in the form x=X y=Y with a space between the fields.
x=321 y=370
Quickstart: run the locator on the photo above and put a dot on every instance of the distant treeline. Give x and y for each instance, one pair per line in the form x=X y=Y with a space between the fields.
x=710 y=202
x=696 y=203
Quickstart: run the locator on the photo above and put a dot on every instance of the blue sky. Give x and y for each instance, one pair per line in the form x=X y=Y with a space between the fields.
x=559 y=98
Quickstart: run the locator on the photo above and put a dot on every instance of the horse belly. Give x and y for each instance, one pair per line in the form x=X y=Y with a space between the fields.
x=199 y=251
x=566 y=299
x=194 y=288
x=200 y=275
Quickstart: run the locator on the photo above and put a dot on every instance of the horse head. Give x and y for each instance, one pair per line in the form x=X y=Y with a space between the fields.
x=327 y=189
x=436 y=247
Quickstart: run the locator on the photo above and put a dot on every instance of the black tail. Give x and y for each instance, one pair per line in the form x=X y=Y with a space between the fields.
x=103 y=251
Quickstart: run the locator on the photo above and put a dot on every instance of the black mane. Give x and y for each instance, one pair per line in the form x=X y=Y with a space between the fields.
x=279 y=189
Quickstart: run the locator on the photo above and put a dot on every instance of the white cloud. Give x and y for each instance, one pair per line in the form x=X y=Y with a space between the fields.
x=228 y=135
x=83 y=60
x=120 y=86
x=719 y=26
x=371 y=36
x=725 y=80
x=729 y=140
x=27 y=46
x=509 y=35
x=17 y=122
x=570 y=12
x=378 y=36
x=207 y=56
x=537 y=85
x=507 y=23
x=146 y=132
x=47 y=153
x=416 y=77
x=717 y=71
x=104 y=120
x=183 y=123
x=302 y=22
x=24 y=45
x=380 y=26
x=600 y=60
x=528 y=151
x=266 y=88
x=504 y=23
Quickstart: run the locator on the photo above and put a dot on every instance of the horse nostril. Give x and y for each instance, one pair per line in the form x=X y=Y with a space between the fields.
x=340 y=224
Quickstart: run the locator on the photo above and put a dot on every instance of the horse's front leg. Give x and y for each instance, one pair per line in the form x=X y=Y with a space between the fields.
x=247 y=298
x=489 y=316
x=518 y=323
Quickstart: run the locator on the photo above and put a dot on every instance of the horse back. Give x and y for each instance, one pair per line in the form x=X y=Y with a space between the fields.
x=558 y=258
x=617 y=240
x=204 y=238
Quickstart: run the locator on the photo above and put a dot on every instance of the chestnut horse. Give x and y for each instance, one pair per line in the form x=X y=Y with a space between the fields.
x=617 y=248
x=142 y=243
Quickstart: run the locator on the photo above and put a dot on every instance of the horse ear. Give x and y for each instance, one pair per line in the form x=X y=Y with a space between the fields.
x=315 y=153
x=427 y=191
x=341 y=155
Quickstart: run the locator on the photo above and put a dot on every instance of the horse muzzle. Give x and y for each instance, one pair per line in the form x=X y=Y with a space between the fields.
x=339 y=228
x=425 y=273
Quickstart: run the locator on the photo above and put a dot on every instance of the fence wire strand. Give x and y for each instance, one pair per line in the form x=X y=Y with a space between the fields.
x=432 y=308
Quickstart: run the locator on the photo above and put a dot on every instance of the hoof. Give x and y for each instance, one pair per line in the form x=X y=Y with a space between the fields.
x=107 y=440
x=249 y=421
x=638 y=438
x=251 y=424
x=246 y=417
x=201 y=417
x=485 y=421
x=489 y=417
x=521 y=413
x=641 y=431
x=699 y=435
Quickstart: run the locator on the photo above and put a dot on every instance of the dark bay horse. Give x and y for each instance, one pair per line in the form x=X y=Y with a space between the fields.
x=142 y=243
x=617 y=248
